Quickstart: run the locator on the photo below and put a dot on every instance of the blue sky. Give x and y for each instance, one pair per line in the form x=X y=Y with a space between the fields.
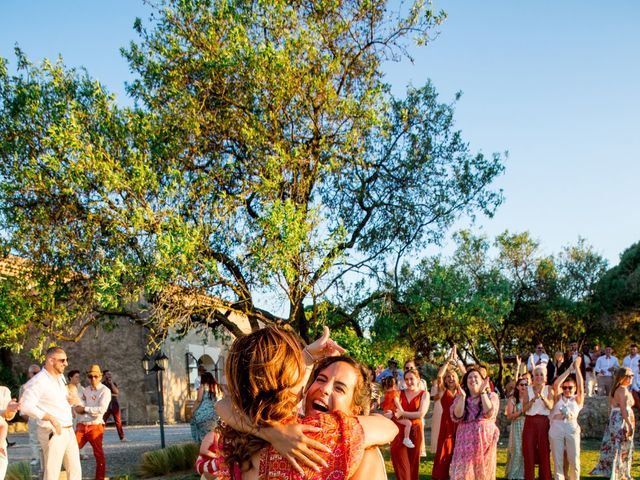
x=556 y=83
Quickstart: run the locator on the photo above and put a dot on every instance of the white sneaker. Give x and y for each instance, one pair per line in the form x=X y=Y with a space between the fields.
x=408 y=443
x=34 y=462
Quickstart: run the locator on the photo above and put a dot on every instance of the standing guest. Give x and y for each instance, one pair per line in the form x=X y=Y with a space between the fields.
x=411 y=365
x=447 y=428
x=8 y=409
x=391 y=371
x=537 y=358
x=564 y=433
x=575 y=353
x=414 y=403
x=436 y=414
x=391 y=404
x=589 y=376
x=34 y=444
x=204 y=409
x=46 y=398
x=616 y=451
x=537 y=403
x=475 y=408
x=557 y=367
x=514 y=469
x=95 y=400
x=75 y=391
x=114 y=406
x=632 y=362
x=606 y=365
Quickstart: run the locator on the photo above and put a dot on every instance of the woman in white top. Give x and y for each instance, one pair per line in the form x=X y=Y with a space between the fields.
x=564 y=434
x=537 y=403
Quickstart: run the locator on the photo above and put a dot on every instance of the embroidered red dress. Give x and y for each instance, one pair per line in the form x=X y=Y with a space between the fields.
x=343 y=435
x=406 y=461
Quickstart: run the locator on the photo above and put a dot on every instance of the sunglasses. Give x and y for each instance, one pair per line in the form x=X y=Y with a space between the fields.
x=567 y=387
x=61 y=360
x=523 y=384
x=93 y=376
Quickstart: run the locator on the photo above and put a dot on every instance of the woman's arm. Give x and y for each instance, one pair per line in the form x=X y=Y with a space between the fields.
x=422 y=409
x=198 y=401
x=579 y=382
x=557 y=391
x=458 y=403
x=378 y=430
x=511 y=412
x=289 y=440
x=548 y=399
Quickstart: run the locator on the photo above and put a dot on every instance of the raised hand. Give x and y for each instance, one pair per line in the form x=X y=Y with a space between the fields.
x=324 y=347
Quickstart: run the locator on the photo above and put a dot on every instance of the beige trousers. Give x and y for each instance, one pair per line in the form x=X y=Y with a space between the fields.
x=59 y=449
x=564 y=438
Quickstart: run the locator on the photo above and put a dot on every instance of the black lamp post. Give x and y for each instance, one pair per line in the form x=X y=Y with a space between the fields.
x=160 y=363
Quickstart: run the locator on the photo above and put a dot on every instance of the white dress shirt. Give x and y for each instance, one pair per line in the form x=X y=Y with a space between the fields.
x=46 y=393
x=532 y=363
x=95 y=402
x=632 y=363
x=604 y=364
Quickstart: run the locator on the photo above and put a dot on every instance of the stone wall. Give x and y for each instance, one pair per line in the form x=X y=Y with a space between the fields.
x=593 y=418
x=119 y=350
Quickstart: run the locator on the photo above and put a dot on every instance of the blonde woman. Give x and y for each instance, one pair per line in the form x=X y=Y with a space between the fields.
x=537 y=404
x=617 y=443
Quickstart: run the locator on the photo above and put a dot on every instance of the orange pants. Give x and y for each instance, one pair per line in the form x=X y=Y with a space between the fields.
x=93 y=434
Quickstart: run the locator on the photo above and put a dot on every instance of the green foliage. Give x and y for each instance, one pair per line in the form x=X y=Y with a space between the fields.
x=18 y=471
x=265 y=153
x=174 y=458
x=493 y=303
x=617 y=297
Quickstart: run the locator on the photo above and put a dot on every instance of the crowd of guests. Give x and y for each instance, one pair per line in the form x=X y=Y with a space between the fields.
x=63 y=416
x=257 y=429
x=263 y=435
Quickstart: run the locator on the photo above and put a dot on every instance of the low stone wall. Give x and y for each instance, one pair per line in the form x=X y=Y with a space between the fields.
x=593 y=418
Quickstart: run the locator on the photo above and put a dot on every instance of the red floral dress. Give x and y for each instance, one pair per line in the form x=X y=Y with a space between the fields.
x=343 y=435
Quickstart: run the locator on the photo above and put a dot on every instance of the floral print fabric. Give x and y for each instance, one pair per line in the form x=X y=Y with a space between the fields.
x=617 y=449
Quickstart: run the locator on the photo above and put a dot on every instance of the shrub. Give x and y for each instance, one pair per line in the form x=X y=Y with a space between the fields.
x=18 y=471
x=174 y=458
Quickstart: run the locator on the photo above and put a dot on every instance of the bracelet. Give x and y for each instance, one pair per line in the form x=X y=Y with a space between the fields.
x=311 y=357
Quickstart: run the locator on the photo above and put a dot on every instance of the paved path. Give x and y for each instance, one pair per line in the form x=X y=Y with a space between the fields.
x=122 y=458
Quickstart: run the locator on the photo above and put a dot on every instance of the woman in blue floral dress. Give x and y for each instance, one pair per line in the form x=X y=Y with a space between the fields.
x=617 y=443
x=204 y=409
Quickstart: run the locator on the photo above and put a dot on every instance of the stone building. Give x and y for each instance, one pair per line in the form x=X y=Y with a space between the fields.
x=121 y=350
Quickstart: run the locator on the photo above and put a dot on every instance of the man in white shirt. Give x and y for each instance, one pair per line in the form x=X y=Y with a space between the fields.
x=94 y=403
x=606 y=365
x=46 y=398
x=632 y=361
x=537 y=358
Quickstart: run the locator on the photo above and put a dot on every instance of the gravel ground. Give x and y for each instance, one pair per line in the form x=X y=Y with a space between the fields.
x=122 y=457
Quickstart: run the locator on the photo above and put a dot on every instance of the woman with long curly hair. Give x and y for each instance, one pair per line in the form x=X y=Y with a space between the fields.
x=475 y=409
x=266 y=371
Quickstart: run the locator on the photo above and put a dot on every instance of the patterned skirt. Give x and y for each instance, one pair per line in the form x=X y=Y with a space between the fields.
x=617 y=449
